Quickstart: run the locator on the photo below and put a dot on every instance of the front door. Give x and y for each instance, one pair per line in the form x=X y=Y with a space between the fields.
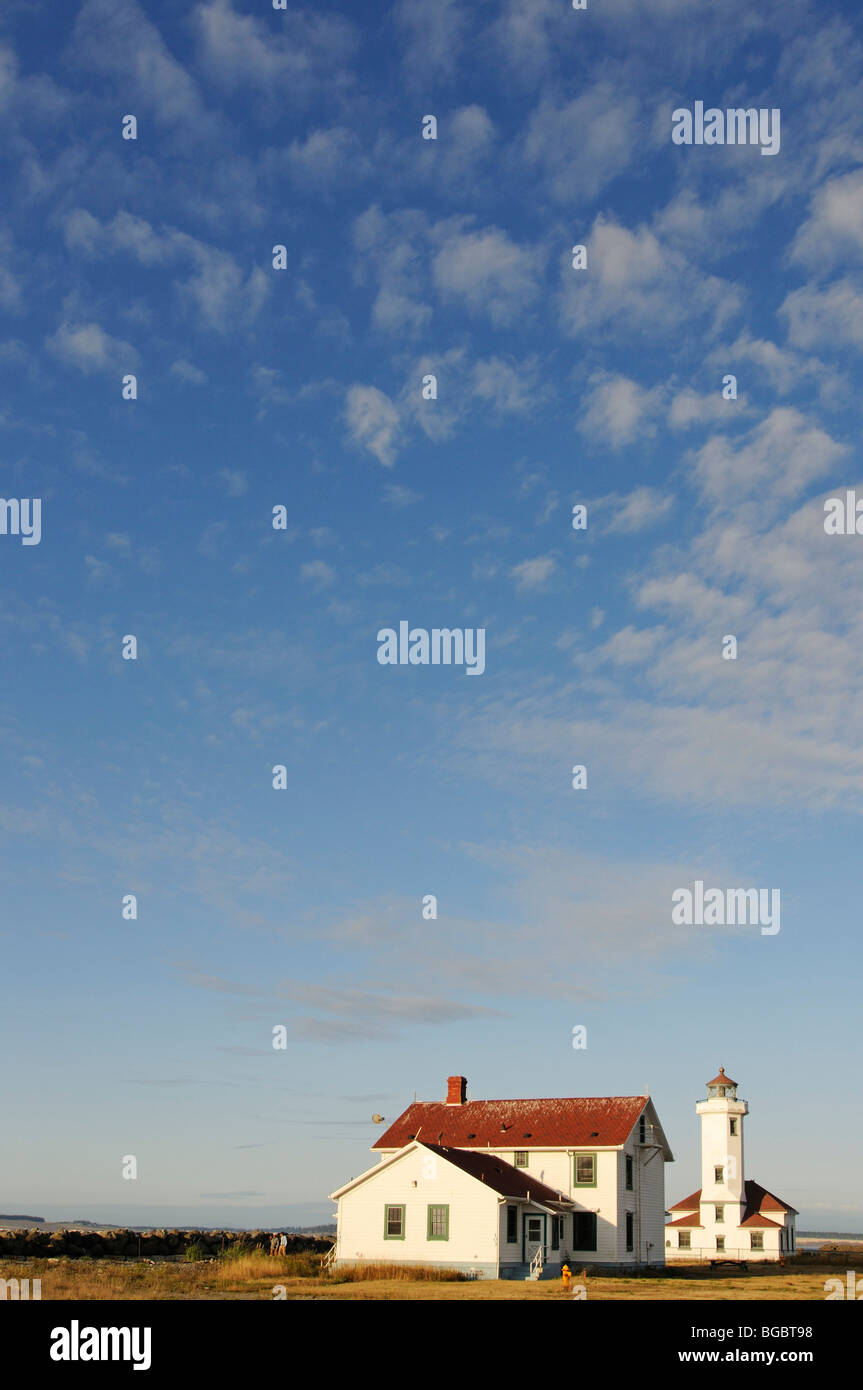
x=532 y=1236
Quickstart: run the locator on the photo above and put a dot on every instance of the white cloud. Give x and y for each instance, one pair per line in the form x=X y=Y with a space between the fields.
x=437 y=419
x=220 y=291
x=216 y=286
x=381 y=423
x=373 y=422
x=82 y=231
x=833 y=231
x=579 y=147
x=89 y=348
x=328 y=156
x=783 y=369
x=187 y=371
x=397 y=496
x=266 y=385
x=619 y=411
x=786 y=370
x=388 y=246
x=319 y=573
x=527 y=36
x=120 y=40
x=632 y=280
x=778 y=458
x=486 y=269
x=294 y=53
x=97 y=570
x=430 y=35
x=691 y=408
x=483 y=268
x=533 y=574
x=234 y=482
x=469 y=134
x=634 y=511
x=211 y=535
x=8 y=74
x=511 y=388
x=825 y=318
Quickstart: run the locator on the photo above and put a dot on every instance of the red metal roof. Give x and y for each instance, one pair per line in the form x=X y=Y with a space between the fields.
x=757 y=1220
x=758 y=1200
x=685 y=1221
x=722 y=1079
x=500 y=1176
x=581 y=1122
x=690 y=1203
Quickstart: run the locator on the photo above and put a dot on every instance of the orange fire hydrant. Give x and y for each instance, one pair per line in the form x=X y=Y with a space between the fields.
x=566 y=1276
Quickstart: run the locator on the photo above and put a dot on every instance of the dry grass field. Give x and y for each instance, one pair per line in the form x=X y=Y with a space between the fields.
x=254 y=1276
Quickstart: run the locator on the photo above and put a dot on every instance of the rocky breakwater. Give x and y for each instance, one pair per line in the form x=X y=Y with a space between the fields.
x=37 y=1244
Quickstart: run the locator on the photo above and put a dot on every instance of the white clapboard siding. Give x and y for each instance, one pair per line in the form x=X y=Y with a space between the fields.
x=415 y=1180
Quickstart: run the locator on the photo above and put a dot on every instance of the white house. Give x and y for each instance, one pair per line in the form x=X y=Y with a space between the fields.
x=494 y=1186
x=730 y=1217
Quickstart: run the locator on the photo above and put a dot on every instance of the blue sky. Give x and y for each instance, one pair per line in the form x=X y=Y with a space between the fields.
x=257 y=647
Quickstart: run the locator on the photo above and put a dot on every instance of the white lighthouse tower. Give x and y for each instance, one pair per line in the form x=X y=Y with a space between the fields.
x=723 y=1195
x=730 y=1217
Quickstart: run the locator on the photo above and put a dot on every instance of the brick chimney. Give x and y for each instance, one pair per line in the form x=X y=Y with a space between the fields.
x=456 y=1090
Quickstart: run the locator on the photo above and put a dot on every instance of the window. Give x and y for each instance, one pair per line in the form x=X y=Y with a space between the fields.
x=732 y=1127
x=719 y=1174
x=642 y=1130
x=720 y=1242
x=630 y=1230
x=584 y=1230
x=684 y=1240
x=394 y=1223
x=585 y=1170
x=629 y=1172
x=720 y=1213
x=520 y=1159
x=438 y=1223
x=512 y=1225
x=757 y=1240
x=556 y=1223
